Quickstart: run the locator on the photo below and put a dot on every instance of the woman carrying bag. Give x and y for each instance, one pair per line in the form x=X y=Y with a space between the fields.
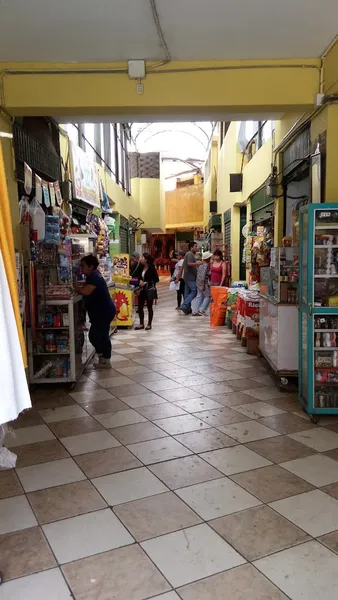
x=148 y=291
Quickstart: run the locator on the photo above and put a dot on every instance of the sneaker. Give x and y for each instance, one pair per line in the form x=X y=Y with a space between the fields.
x=104 y=363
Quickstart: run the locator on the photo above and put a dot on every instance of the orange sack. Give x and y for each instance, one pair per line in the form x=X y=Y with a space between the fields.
x=218 y=306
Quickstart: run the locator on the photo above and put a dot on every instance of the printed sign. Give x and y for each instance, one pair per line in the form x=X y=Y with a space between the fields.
x=85 y=176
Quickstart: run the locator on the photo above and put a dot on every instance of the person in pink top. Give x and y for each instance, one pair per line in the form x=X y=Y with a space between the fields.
x=217 y=269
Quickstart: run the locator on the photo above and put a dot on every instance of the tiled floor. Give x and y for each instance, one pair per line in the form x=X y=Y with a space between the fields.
x=182 y=473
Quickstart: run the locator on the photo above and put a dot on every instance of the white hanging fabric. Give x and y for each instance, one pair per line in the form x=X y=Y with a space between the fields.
x=15 y=395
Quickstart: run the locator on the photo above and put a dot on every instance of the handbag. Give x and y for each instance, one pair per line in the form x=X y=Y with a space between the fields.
x=152 y=293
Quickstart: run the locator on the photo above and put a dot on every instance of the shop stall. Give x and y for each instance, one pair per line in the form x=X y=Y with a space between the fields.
x=278 y=324
x=122 y=292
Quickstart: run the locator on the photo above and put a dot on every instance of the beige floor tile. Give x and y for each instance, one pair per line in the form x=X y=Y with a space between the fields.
x=85 y=535
x=234 y=460
x=265 y=393
x=127 y=391
x=233 y=399
x=185 y=471
x=15 y=514
x=257 y=410
x=120 y=418
x=180 y=394
x=24 y=552
x=287 y=402
x=285 y=423
x=280 y=449
x=258 y=531
x=136 y=370
x=49 y=400
x=143 y=378
x=168 y=596
x=46 y=584
x=91 y=396
x=193 y=379
x=330 y=540
x=32 y=454
x=158 y=450
x=161 y=386
x=9 y=484
x=64 y=501
x=89 y=442
x=104 y=406
x=28 y=435
x=151 y=517
x=51 y=474
x=146 y=399
x=163 y=410
x=207 y=439
x=221 y=416
x=224 y=375
x=245 y=384
x=271 y=483
x=319 y=438
x=249 y=431
x=181 y=424
x=128 y=571
x=212 y=389
x=198 y=404
x=217 y=498
x=75 y=427
x=306 y=571
x=318 y=470
x=332 y=490
x=242 y=583
x=105 y=462
x=128 y=485
x=332 y=454
x=315 y=512
x=139 y=432
x=191 y=554
x=85 y=386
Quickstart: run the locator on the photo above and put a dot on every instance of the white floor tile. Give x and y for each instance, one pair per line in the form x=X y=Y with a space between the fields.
x=120 y=418
x=198 y=404
x=316 y=469
x=47 y=584
x=256 y=410
x=265 y=393
x=140 y=400
x=158 y=450
x=191 y=554
x=306 y=572
x=115 y=382
x=128 y=485
x=15 y=514
x=88 y=534
x=50 y=474
x=235 y=460
x=217 y=498
x=181 y=424
x=168 y=596
x=91 y=396
x=315 y=512
x=320 y=439
x=28 y=435
x=89 y=442
x=248 y=431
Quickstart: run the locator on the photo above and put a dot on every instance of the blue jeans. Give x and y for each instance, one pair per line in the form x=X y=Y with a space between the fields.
x=190 y=291
x=202 y=300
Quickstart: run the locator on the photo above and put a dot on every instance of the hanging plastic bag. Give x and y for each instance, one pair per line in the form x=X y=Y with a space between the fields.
x=24 y=214
x=172 y=286
x=38 y=219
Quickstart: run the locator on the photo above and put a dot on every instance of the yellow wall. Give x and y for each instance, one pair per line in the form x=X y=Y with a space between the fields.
x=331 y=71
x=149 y=193
x=7 y=149
x=331 y=190
x=216 y=87
x=184 y=205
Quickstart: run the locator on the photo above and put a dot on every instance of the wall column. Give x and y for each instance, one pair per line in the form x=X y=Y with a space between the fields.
x=8 y=153
x=331 y=187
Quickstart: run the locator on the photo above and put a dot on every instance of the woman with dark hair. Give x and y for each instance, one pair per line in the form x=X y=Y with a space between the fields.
x=100 y=308
x=148 y=293
x=217 y=269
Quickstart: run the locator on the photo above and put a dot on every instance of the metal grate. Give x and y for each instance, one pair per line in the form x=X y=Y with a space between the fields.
x=38 y=157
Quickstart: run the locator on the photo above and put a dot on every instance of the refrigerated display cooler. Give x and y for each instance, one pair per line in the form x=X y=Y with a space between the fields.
x=318 y=310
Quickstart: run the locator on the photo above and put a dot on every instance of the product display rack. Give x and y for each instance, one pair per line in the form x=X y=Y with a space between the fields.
x=318 y=310
x=68 y=364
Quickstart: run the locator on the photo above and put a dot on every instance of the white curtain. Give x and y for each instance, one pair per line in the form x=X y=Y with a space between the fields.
x=14 y=389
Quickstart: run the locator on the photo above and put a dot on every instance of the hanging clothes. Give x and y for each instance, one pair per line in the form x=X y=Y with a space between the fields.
x=15 y=394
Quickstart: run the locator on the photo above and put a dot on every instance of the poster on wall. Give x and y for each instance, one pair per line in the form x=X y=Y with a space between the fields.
x=84 y=176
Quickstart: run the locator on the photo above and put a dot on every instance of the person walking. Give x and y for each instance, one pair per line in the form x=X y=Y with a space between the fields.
x=202 y=300
x=149 y=279
x=177 y=278
x=217 y=269
x=189 y=268
x=100 y=308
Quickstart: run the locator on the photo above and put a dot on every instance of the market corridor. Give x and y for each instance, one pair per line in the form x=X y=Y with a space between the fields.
x=183 y=473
